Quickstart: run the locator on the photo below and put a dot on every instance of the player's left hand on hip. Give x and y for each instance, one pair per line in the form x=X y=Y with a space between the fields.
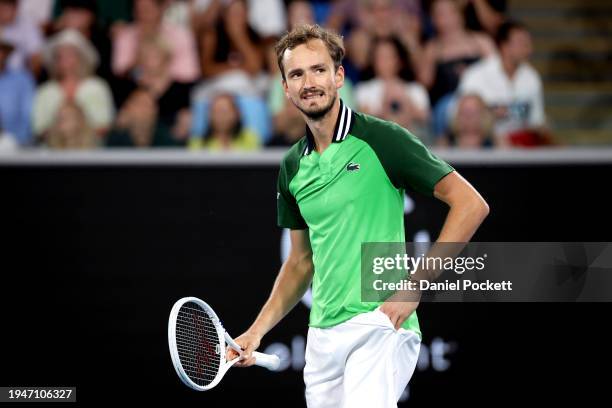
x=398 y=311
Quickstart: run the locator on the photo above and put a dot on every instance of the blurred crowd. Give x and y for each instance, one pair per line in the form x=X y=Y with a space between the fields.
x=202 y=74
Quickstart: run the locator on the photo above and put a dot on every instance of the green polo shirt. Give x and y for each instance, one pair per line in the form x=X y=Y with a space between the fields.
x=350 y=194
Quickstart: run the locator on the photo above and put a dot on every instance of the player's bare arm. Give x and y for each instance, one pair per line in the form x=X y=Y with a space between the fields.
x=291 y=283
x=467 y=208
x=467 y=211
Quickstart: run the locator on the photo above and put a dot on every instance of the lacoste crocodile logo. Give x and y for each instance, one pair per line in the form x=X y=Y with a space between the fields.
x=353 y=166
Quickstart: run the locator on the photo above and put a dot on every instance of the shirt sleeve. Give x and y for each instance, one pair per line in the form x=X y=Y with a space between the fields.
x=536 y=114
x=288 y=212
x=96 y=100
x=470 y=82
x=408 y=163
x=418 y=95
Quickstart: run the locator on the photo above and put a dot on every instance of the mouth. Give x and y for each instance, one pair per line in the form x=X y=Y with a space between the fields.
x=312 y=95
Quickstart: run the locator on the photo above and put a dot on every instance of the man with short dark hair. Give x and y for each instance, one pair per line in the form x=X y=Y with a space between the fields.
x=510 y=87
x=340 y=186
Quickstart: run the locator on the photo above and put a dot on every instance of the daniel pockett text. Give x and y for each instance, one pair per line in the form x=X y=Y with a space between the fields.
x=410 y=265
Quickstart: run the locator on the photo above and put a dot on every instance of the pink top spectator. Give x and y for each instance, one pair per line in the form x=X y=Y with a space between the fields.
x=184 y=66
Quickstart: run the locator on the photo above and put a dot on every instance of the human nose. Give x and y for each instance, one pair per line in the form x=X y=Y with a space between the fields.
x=309 y=80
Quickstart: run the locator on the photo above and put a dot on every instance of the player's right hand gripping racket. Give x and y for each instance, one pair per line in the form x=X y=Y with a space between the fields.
x=197 y=345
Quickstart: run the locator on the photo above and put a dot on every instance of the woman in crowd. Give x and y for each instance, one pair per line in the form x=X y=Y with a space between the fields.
x=471 y=126
x=387 y=95
x=148 y=22
x=71 y=60
x=450 y=51
x=154 y=74
x=71 y=130
x=138 y=124
x=445 y=57
x=225 y=130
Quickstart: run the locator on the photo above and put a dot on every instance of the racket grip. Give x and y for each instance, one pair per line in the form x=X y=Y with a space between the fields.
x=269 y=361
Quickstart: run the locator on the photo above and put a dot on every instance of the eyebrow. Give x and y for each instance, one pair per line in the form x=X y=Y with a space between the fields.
x=317 y=66
x=299 y=70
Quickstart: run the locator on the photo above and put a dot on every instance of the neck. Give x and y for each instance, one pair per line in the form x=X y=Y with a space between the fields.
x=70 y=77
x=323 y=129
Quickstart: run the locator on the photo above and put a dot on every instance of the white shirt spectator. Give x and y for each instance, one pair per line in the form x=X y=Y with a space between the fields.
x=370 y=95
x=520 y=96
x=93 y=96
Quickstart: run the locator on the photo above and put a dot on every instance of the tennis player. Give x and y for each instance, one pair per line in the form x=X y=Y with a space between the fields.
x=341 y=185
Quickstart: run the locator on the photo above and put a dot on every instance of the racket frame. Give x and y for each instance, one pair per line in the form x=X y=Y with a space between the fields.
x=221 y=333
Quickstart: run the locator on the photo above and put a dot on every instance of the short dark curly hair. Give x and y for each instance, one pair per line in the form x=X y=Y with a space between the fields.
x=307 y=32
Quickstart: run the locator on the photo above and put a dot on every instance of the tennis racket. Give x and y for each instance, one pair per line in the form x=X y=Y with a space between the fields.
x=197 y=345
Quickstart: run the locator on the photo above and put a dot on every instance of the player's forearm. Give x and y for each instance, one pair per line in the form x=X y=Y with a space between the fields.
x=290 y=285
x=463 y=219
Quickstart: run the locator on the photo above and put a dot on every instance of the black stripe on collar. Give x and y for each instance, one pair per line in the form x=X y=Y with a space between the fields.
x=341 y=130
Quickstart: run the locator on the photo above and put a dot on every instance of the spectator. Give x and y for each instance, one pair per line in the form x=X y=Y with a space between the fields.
x=289 y=127
x=80 y=15
x=171 y=97
x=149 y=23
x=445 y=57
x=71 y=130
x=288 y=123
x=387 y=95
x=472 y=125
x=137 y=124
x=511 y=87
x=25 y=35
x=225 y=131
x=450 y=51
x=71 y=59
x=16 y=96
x=380 y=19
x=232 y=59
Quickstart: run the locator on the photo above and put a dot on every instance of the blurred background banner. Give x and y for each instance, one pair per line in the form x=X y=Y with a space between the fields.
x=97 y=250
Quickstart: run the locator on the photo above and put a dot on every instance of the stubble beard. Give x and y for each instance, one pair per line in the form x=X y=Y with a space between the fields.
x=319 y=113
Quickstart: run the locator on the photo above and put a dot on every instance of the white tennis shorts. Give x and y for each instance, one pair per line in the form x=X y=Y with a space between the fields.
x=363 y=362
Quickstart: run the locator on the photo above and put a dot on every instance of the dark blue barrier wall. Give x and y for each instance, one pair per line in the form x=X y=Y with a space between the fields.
x=95 y=256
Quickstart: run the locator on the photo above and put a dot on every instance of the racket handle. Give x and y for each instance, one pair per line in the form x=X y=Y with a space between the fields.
x=269 y=361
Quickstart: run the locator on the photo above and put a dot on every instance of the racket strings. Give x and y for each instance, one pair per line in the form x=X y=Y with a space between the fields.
x=198 y=345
